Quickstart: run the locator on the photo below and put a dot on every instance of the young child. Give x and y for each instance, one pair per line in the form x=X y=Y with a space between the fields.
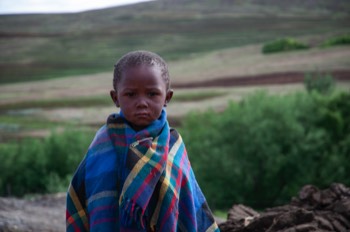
x=136 y=175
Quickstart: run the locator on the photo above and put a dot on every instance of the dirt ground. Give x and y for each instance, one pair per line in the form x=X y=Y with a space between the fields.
x=44 y=213
x=41 y=214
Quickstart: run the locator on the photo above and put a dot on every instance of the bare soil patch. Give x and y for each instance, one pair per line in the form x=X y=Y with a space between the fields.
x=263 y=79
x=44 y=213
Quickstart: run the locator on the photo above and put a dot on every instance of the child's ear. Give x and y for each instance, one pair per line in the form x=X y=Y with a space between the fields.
x=114 y=97
x=168 y=96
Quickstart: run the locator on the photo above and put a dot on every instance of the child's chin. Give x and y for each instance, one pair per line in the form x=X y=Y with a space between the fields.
x=140 y=126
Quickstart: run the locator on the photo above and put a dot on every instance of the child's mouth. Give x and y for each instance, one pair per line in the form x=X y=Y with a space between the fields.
x=142 y=115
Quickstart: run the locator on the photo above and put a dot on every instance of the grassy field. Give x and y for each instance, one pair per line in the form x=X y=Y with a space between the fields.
x=37 y=47
x=56 y=70
x=38 y=107
x=242 y=61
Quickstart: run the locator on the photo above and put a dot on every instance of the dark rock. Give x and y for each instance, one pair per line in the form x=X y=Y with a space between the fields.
x=312 y=210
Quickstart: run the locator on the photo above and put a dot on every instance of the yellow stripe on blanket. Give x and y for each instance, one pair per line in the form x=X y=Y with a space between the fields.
x=80 y=210
x=145 y=159
x=165 y=182
x=212 y=228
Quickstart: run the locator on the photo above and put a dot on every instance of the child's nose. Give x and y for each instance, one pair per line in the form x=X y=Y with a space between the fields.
x=141 y=102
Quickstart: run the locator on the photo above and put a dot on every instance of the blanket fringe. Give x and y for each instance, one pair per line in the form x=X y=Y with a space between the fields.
x=132 y=214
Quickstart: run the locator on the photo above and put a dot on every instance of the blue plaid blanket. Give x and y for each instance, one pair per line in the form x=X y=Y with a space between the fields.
x=136 y=181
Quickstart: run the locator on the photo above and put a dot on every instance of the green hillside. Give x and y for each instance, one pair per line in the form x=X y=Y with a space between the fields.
x=45 y=46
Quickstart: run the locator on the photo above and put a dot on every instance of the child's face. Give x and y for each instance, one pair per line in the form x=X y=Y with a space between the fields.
x=141 y=94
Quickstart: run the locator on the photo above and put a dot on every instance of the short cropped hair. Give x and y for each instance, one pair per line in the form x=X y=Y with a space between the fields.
x=138 y=58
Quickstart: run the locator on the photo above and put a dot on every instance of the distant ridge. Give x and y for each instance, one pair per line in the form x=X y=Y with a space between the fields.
x=42 y=46
x=168 y=10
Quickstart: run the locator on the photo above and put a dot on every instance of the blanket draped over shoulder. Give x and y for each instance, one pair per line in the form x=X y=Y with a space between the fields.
x=136 y=181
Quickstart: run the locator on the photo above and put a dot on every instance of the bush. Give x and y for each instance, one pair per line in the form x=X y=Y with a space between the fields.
x=282 y=45
x=261 y=151
x=340 y=40
x=321 y=83
x=39 y=166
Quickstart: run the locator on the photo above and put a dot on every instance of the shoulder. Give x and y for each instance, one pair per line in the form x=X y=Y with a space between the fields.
x=176 y=144
x=175 y=136
x=174 y=132
x=100 y=134
x=101 y=144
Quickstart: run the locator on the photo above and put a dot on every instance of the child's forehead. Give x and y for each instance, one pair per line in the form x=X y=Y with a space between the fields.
x=148 y=75
x=142 y=66
x=143 y=69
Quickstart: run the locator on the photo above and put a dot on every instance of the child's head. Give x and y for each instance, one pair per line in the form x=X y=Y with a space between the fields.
x=141 y=87
x=140 y=58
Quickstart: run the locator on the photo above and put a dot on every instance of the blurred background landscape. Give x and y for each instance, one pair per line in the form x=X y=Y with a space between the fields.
x=262 y=92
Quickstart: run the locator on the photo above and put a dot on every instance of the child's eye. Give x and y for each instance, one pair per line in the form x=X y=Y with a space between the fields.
x=129 y=94
x=152 y=94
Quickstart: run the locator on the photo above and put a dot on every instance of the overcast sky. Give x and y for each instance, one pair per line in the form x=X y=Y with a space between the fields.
x=57 y=6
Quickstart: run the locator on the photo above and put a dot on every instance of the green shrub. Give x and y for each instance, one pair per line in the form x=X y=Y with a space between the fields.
x=322 y=83
x=55 y=184
x=261 y=151
x=282 y=45
x=340 y=40
x=39 y=166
